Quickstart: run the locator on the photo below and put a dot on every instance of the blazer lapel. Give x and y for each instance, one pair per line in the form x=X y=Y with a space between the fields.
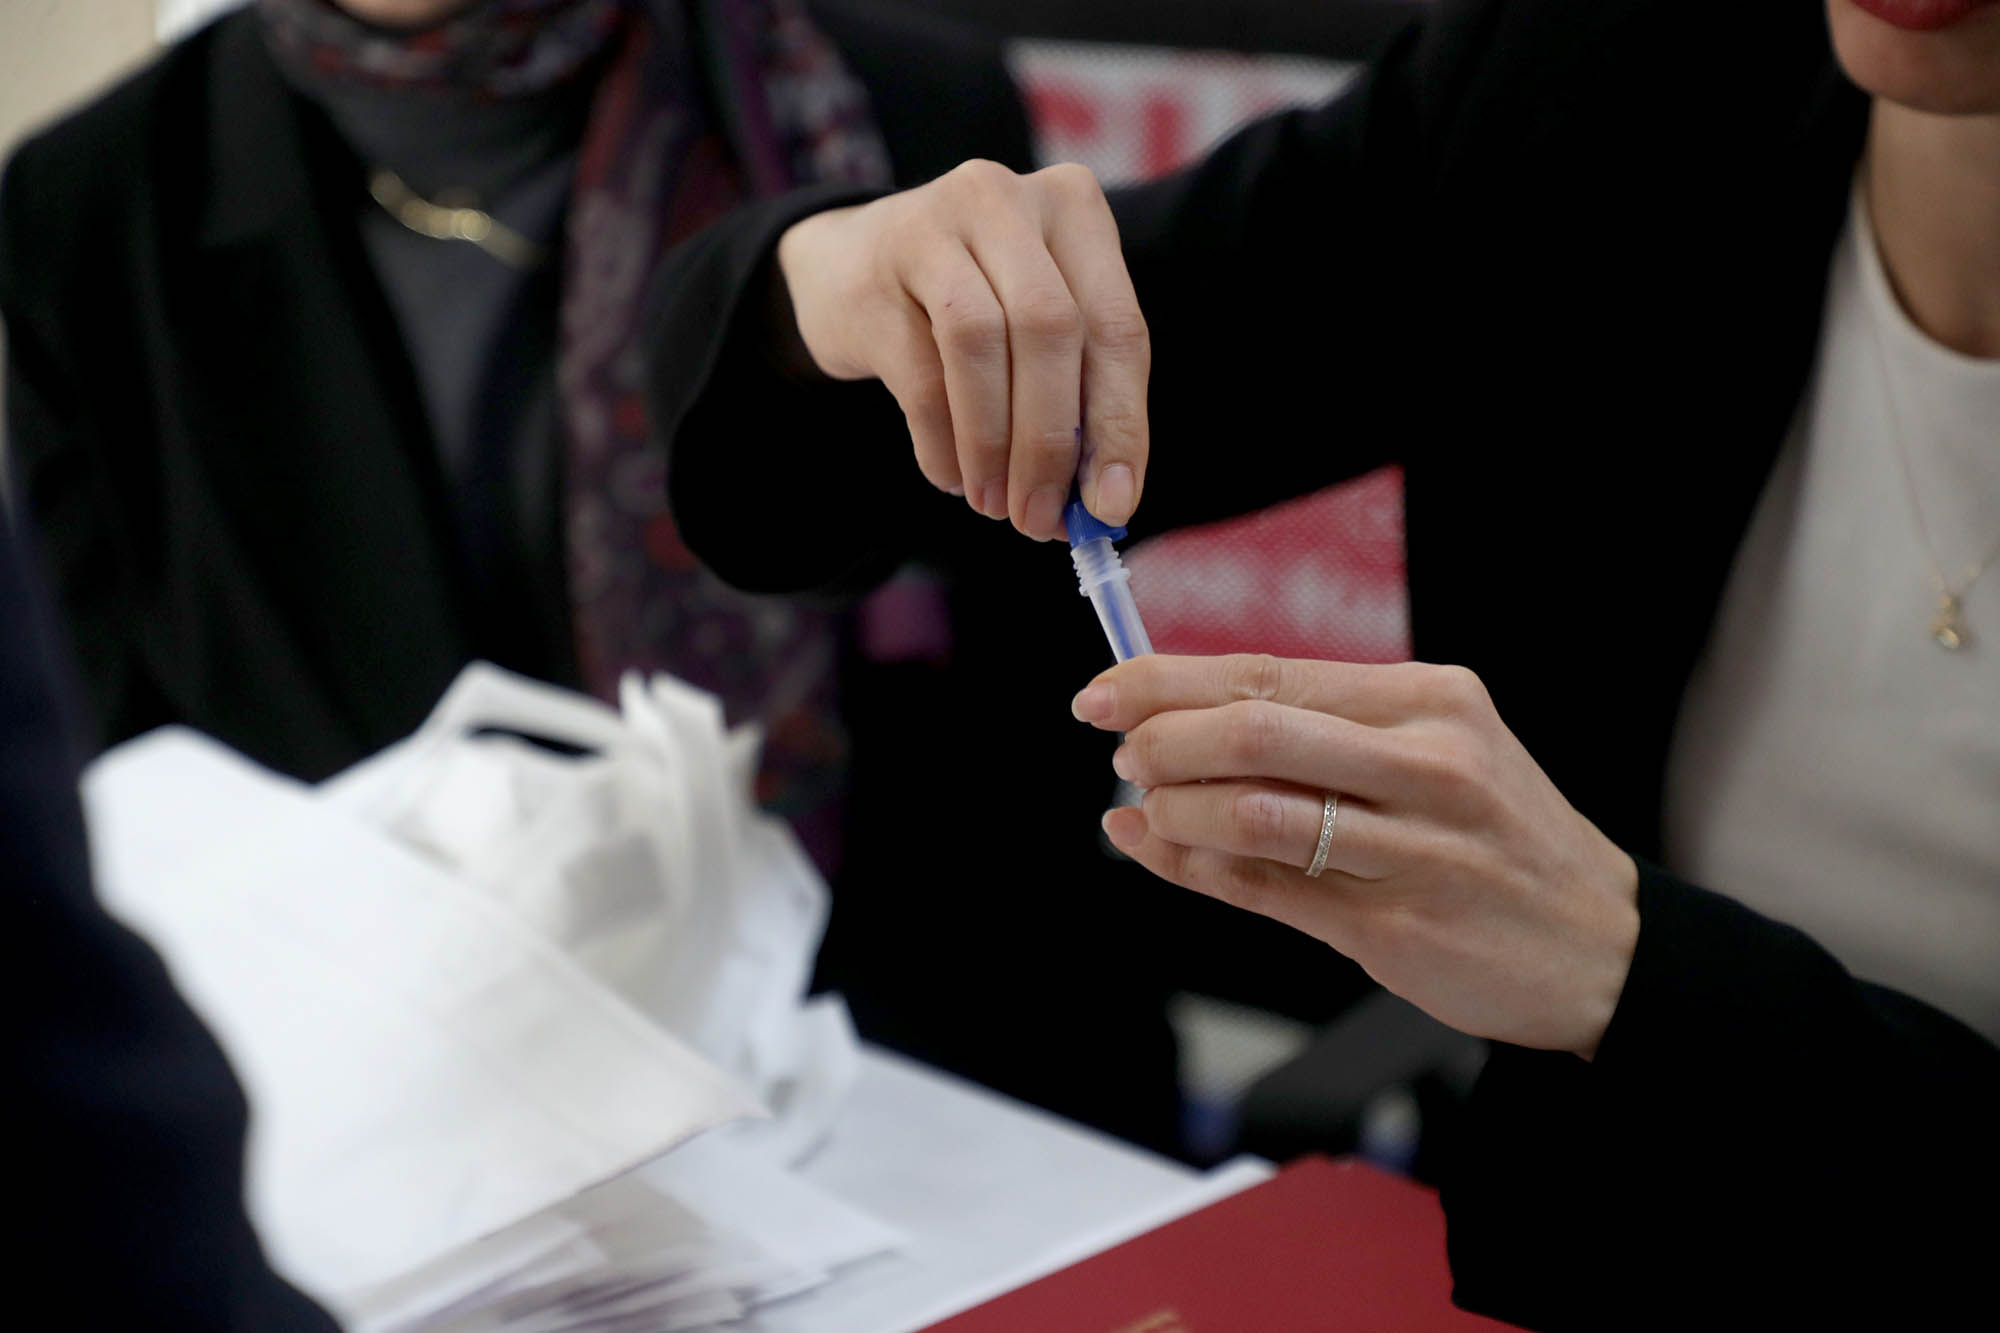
x=305 y=418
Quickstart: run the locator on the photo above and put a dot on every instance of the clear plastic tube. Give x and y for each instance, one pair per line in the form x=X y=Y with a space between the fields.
x=1102 y=577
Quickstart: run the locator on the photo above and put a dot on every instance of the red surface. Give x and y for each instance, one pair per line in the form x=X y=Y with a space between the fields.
x=1323 y=1246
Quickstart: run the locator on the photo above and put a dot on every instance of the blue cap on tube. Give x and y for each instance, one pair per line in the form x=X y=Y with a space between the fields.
x=1101 y=576
x=1085 y=526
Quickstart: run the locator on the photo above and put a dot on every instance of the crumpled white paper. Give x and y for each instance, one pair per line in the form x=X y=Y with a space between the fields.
x=475 y=988
x=420 y=1070
x=643 y=858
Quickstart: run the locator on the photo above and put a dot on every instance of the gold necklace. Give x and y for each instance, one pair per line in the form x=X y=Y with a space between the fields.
x=443 y=223
x=1947 y=627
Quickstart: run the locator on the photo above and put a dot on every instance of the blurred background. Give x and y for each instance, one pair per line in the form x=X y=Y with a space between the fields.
x=1132 y=89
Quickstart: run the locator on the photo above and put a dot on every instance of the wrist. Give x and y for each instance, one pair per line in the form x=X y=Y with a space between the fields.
x=784 y=344
x=806 y=252
x=1614 y=931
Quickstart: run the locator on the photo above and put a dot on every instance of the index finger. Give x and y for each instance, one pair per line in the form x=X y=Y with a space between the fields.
x=1376 y=695
x=1117 y=350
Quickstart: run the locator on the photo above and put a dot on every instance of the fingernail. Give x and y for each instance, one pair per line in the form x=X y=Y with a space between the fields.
x=993 y=499
x=1124 y=764
x=1125 y=827
x=958 y=490
x=1092 y=703
x=1116 y=489
x=1044 y=515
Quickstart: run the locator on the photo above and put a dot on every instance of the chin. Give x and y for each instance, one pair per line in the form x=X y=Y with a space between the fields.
x=1948 y=71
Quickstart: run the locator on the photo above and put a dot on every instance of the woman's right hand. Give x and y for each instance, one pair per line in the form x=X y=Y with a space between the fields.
x=997 y=309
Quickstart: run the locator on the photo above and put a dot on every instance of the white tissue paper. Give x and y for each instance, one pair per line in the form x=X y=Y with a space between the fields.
x=642 y=858
x=478 y=985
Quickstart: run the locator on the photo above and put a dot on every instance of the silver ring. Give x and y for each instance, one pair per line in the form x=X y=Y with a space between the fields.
x=1329 y=811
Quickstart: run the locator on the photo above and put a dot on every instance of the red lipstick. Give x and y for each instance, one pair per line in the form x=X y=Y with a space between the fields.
x=1921 y=15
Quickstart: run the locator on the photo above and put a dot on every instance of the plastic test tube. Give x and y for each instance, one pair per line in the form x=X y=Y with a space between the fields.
x=1102 y=577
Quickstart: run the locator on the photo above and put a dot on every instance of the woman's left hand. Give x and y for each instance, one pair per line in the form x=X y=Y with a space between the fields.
x=1457 y=874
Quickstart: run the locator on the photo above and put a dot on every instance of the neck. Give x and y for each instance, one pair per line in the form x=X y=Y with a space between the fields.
x=1933 y=187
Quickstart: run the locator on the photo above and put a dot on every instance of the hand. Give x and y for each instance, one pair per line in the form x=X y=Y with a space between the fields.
x=997 y=309
x=1457 y=875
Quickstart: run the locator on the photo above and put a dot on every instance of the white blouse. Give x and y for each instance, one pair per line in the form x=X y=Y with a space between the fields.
x=1834 y=767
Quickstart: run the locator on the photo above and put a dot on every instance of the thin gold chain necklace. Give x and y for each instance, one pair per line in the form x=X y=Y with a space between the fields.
x=1947 y=627
x=443 y=223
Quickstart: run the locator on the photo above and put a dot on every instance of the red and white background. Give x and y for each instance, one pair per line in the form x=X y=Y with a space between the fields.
x=1321 y=576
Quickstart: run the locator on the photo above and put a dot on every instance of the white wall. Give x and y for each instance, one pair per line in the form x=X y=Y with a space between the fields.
x=54 y=53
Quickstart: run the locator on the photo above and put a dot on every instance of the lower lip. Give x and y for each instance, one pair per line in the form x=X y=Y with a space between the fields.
x=1921 y=15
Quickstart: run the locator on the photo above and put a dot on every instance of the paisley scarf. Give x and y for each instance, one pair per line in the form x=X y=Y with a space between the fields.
x=700 y=106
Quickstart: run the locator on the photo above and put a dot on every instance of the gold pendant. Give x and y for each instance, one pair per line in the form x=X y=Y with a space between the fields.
x=1946 y=632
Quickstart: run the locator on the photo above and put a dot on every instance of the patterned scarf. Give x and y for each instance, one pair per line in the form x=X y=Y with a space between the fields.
x=701 y=106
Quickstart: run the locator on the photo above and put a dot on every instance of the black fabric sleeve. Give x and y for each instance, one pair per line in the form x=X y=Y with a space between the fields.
x=1306 y=285
x=1313 y=204
x=131 y=1185
x=783 y=481
x=54 y=457
x=940 y=90
x=750 y=438
x=1760 y=1136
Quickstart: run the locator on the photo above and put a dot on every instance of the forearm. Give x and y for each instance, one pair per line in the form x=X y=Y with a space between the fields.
x=1269 y=281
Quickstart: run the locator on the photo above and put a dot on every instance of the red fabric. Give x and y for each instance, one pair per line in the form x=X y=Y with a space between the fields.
x=1322 y=576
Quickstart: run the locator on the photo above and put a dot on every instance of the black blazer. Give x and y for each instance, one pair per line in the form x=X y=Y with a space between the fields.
x=214 y=424
x=211 y=415
x=130 y=1184
x=1564 y=260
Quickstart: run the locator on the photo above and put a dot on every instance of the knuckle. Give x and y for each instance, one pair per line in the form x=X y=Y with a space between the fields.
x=1120 y=429
x=1260 y=817
x=922 y=392
x=977 y=333
x=1070 y=181
x=1253 y=730
x=977 y=177
x=1055 y=446
x=1454 y=767
x=985 y=453
x=983 y=436
x=1119 y=328
x=1049 y=316
x=1255 y=676
x=1454 y=690
x=1142 y=747
x=1143 y=683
